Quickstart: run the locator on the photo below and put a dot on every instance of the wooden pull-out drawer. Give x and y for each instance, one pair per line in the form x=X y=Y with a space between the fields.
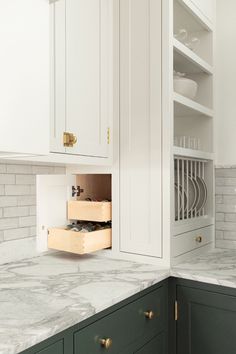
x=190 y=241
x=89 y=211
x=78 y=242
x=142 y=318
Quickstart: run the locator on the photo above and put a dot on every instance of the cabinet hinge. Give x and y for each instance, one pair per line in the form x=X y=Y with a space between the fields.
x=108 y=136
x=176 y=310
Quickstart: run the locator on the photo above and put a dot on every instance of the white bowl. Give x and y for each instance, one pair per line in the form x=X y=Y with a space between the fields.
x=185 y=87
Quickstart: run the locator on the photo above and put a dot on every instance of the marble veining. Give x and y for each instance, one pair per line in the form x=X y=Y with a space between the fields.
x=42 y=296
x=216 y=267
x=45 y=295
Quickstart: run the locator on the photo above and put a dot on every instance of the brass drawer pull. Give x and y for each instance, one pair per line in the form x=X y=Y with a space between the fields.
x=106 y=343
x=198 y=239
x=69 y=139
x=149 y=315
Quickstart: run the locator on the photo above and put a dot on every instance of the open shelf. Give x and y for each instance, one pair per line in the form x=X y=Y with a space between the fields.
x=198 y=154
x=185 y=60
x=186 y=107
x=197 y=17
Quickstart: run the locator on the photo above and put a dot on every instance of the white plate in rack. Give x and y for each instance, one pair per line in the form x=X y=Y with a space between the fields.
x=202 y=195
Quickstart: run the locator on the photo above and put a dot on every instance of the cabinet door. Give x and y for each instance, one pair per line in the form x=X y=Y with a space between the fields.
x=24 y=73
x=52 y=195
x=206 y=322
x=82 y=75
x=207 y=7
x=141 y=127
x=155 y=346
x=56 y=348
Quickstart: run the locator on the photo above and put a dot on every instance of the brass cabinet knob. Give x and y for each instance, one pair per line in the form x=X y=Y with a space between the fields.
x=149 y=315
x=198 y=239
x=106 y=343
x=69 y=139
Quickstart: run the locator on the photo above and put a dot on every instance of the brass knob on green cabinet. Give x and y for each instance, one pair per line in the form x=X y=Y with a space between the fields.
x=198 y=239
x=106 y=343
x=69 y=139
x=149 y=315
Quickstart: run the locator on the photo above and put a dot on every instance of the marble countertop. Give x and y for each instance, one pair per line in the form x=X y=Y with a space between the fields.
x=46 y=295
x=216 y=267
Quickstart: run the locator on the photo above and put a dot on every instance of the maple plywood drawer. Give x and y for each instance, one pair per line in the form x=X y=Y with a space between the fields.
x=190 y=241
x=78 y=242
x=89 y=211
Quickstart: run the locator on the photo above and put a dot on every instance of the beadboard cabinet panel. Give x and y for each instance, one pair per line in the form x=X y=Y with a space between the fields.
x=24 y=72
x=140 y=127
x=82 y=36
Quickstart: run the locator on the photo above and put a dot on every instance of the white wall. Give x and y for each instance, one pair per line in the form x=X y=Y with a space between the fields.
x=226 y=83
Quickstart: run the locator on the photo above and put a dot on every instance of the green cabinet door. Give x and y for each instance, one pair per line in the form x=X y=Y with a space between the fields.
x=155 y=346
x=207 y=322
x=56 y=348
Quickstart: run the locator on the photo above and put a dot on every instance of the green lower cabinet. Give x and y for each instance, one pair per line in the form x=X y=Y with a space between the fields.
x=155 y=346
x=138 y=325
x=56 y=348
x=207 y=321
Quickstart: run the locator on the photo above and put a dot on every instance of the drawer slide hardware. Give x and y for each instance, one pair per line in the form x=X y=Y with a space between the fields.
x=176 y=310
x=76 y=191
x=69 y=139
x=106 y=343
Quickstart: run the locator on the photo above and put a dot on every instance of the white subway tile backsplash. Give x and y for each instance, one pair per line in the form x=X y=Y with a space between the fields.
x=15 y=234
x=9 y=223
x=226 y=190
x=17 y=190
x=7 y=178
x=43 y=170
x=220 y=216
x=27 y=221
x=19 y=169
x=3 y=168
x=26 y=200
x=6 y=201
x=18 y=208
x=32 y=210
x=230 y=217
x=2 y=190
x=15 y=211
x=25 y=179
x=225 y=208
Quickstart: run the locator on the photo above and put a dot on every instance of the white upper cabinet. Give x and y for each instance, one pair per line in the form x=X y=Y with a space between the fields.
x=24 y=77
x=141 y=127
x=207 y=7
x=82 y=76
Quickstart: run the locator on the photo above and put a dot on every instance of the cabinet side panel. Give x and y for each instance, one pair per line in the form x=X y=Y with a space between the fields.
x=140 y=127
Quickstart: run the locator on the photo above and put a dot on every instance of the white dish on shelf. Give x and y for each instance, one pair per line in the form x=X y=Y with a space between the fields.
x=185 y=87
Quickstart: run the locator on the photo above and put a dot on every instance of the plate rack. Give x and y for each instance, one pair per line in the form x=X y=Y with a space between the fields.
x=190 y=187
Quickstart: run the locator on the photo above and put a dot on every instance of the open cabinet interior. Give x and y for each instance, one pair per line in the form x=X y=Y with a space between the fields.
x=74 y=212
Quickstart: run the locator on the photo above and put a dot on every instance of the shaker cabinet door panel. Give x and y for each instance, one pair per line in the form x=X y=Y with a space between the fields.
x=56 y=348
x=141 y=127
x=206 y=322
x=24 y=73
x=155 y=346
x=82 y=75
